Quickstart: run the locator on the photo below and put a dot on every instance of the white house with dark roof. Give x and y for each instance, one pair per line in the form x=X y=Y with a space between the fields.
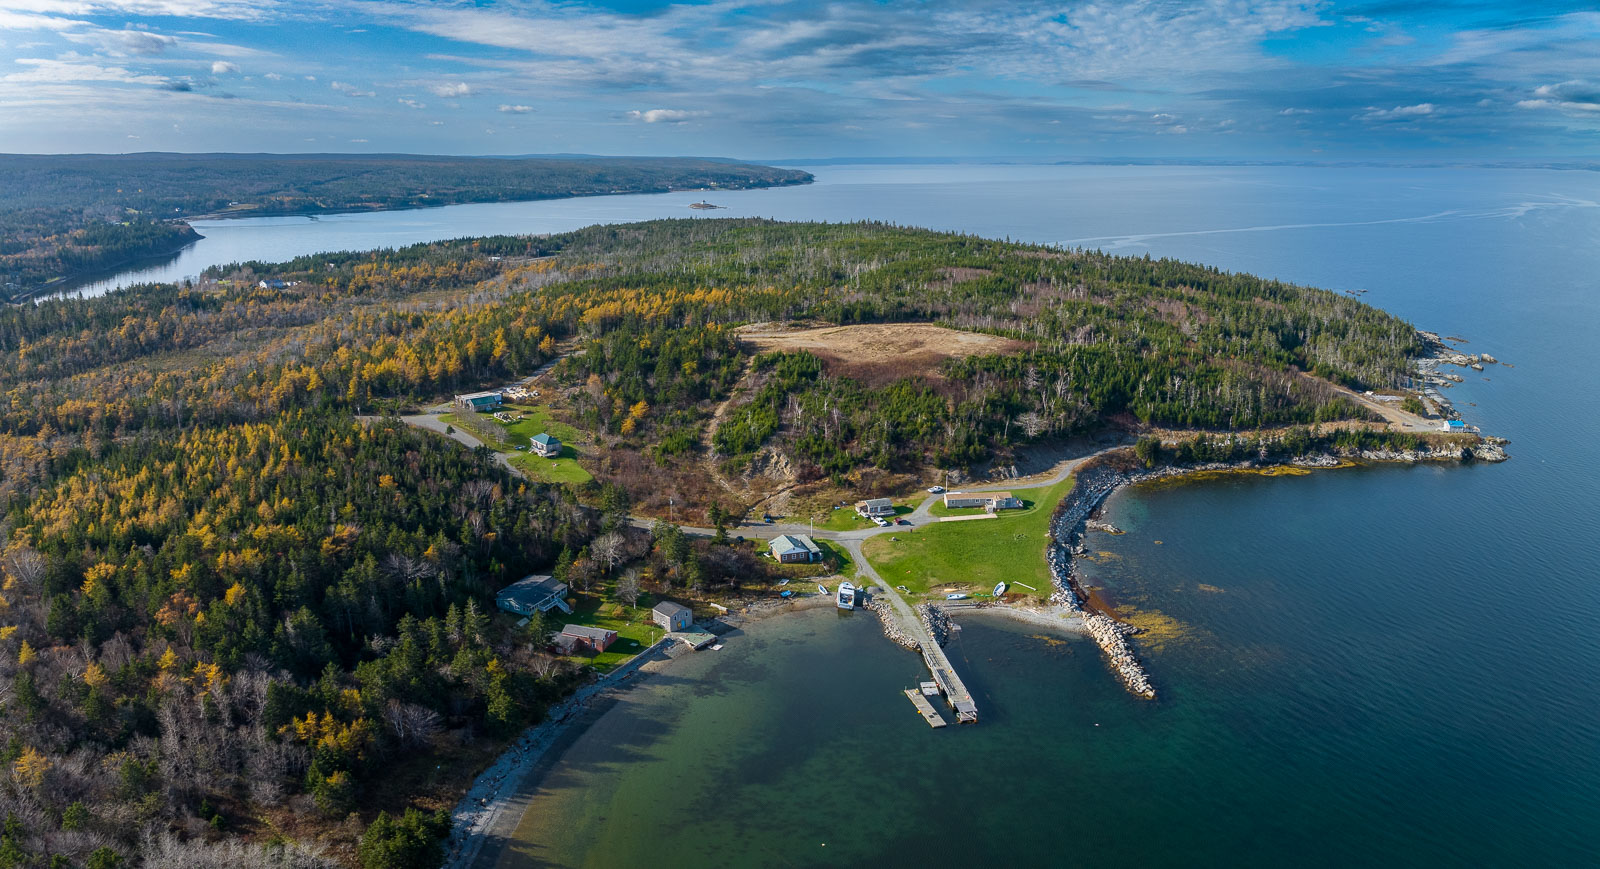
x=875 y=507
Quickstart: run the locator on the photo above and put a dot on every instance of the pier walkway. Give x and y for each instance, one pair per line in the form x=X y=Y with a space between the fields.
x=955 y=692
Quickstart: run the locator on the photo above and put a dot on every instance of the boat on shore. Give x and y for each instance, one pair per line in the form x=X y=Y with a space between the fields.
x=999 y=589
x=847 y=596
x=821 y=589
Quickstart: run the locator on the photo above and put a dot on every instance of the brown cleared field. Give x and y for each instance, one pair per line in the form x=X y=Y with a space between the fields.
x=879 y=353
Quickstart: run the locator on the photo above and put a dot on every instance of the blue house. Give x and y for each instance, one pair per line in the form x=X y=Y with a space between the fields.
x=533 y=594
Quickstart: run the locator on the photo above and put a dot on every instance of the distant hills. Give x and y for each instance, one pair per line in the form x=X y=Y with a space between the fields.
x=63 y=215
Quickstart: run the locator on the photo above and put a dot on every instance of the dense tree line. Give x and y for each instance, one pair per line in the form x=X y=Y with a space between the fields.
x=240 y=614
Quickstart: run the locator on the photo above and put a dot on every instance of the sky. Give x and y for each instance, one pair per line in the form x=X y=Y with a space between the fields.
x=785 y=79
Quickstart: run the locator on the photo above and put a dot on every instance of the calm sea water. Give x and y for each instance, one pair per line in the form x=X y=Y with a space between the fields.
x=1393 y=666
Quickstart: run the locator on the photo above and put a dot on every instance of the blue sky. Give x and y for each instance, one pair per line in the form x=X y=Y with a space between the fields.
x=769 y=79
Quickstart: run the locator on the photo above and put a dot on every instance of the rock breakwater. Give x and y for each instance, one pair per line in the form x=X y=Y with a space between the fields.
x=937 y=623
x=890 y=623
x=1067 y=529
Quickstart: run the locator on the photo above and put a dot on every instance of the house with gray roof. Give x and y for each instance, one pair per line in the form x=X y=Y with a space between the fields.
x=795 y=549
x=672 y=616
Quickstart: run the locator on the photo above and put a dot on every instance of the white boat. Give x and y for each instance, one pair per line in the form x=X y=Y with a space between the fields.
x=999 y=589
x=847 y=596
x=821 y=589
x=957 y=596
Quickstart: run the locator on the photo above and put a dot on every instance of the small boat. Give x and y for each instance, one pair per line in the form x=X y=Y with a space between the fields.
x=785 y=594
x=847 y=596
x=783 y=582
x=822 y=589
x=957 y=596
x=999 y=589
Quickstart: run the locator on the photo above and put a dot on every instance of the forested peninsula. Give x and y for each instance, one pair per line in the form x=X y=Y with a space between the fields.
x=242 y=602
x=66 y=215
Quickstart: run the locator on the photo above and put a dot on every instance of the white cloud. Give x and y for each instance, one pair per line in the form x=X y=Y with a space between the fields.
x=667 y=116
x=1398 y=113
x=350 y=90
x=13 y=21
x=412 y=103
x=515 y=110
x=233 y=10
x=1294 y=111
x=56 y=71
x=272 y=76
x=1575 y=95
x=125 y=42
x=450 y=89
x=220 y=67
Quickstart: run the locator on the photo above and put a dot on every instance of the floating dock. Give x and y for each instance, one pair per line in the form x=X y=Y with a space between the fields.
x=925 y=709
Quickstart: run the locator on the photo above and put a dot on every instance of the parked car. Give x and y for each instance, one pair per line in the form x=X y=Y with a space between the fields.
x=935 y=490
x=882 y=523
x=902 y=521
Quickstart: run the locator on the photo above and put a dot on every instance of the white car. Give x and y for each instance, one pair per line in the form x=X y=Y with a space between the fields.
x=935 y=490
x=882 y=523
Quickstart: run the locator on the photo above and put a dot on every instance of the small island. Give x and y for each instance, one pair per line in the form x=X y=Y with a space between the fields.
x=261 y=529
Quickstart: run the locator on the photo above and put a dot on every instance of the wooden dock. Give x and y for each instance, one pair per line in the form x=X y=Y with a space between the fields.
x=925 y=709
x=955 y=692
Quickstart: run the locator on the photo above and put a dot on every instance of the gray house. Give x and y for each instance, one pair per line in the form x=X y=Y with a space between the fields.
x=533 y=594
x=672 y=616
x=546 y=444
x=795 y=549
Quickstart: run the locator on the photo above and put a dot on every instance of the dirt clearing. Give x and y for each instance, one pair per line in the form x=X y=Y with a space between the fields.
x=881 y=353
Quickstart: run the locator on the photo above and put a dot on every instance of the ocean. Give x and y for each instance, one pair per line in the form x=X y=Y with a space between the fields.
x=1387 y=666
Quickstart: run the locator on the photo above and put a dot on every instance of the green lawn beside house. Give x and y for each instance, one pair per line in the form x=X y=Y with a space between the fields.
x=506 y=438
x=972 y=556
x=635 y=631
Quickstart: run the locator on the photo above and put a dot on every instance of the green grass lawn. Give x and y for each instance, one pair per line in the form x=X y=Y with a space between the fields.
x=506 y=438
x=972 y=556
x=635 y=631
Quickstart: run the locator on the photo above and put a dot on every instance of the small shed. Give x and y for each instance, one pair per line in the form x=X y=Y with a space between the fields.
x=875 y=507
x=546 y=444
x=579 y=638
x=672 y=616
x=795 y=549
x=533 y=594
